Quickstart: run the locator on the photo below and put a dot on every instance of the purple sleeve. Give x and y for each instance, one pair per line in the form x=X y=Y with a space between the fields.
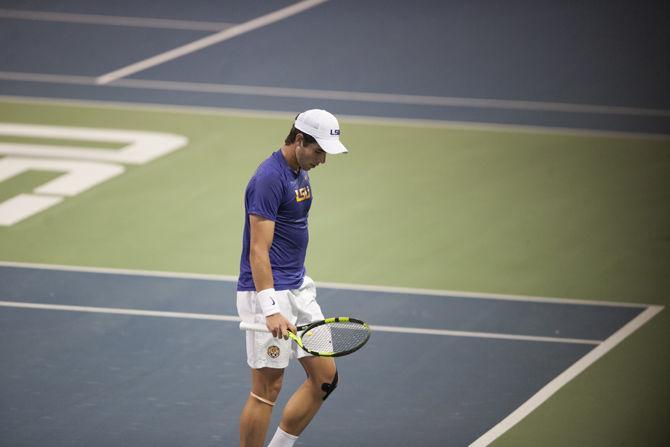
x=265 y=196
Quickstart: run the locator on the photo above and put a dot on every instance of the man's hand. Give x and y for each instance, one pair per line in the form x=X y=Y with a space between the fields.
x=279 y=326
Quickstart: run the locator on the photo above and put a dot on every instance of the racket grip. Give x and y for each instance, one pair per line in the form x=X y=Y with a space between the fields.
x=257 y=327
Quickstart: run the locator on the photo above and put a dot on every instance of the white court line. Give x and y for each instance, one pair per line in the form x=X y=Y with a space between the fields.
x=422 y=100
x=339 y=95
x=217 y=317
x=499 y=336
x=328 y=285
x=119 y=311
x=270 y=114
x=44 y=77
x=98 y=19
x=566 y=376
x=209 y=40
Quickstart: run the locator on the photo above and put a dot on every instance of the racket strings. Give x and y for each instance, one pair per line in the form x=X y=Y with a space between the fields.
x=335 y=337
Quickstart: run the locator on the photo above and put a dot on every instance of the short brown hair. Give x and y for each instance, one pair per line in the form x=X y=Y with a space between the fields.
x=290 y=138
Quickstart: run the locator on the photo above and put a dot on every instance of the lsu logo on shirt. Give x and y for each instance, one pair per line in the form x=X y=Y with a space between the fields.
x=303 y=194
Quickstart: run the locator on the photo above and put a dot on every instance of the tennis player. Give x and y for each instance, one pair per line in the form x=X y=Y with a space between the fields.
x=273 y=287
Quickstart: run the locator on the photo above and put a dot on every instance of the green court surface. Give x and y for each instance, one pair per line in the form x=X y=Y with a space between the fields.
x=460 y=207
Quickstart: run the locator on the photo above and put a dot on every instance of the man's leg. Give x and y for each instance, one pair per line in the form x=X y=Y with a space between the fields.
x=306 y=401
x=265 y=386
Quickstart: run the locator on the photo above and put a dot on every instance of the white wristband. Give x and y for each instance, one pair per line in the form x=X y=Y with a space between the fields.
x=268 y=303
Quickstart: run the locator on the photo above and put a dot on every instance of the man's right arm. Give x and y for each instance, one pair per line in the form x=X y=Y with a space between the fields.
x=261 y=235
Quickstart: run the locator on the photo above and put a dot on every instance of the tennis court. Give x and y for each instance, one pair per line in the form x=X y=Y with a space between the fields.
x=501 y=219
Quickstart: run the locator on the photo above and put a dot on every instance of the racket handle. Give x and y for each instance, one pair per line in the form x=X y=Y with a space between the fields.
x=257 y=327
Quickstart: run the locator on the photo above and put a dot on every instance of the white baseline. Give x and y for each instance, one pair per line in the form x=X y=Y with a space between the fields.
x=339 y=95
x=371 y=120
x=326 y=285
x=218 y=317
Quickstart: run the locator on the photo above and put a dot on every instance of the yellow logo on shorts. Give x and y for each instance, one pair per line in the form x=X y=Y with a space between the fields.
x=273 y=351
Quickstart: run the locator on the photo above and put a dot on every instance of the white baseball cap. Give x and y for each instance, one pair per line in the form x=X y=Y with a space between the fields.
x=323 y=126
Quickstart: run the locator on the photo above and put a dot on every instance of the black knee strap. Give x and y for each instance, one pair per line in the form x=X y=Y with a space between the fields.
x=329 y=387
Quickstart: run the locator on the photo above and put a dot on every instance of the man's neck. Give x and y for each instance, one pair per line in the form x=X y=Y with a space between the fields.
x=288 y=151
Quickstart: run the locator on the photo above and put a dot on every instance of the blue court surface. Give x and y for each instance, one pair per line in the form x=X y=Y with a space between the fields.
x=142 y=359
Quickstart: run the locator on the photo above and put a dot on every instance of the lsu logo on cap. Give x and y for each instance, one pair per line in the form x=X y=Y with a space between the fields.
x=334 y=131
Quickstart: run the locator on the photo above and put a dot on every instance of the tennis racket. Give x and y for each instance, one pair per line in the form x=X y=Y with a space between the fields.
x=332 y=337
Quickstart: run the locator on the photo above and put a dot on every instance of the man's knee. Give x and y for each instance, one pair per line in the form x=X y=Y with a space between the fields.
x=271 y=389
x=329 y=387
x=266 y=386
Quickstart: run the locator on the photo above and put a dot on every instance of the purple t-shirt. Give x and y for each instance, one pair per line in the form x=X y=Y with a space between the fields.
x=279 y=194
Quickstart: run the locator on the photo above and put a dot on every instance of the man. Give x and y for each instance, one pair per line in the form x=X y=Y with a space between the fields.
x=272 y=286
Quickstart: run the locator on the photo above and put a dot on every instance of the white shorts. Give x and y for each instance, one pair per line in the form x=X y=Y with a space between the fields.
x=299 y=306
